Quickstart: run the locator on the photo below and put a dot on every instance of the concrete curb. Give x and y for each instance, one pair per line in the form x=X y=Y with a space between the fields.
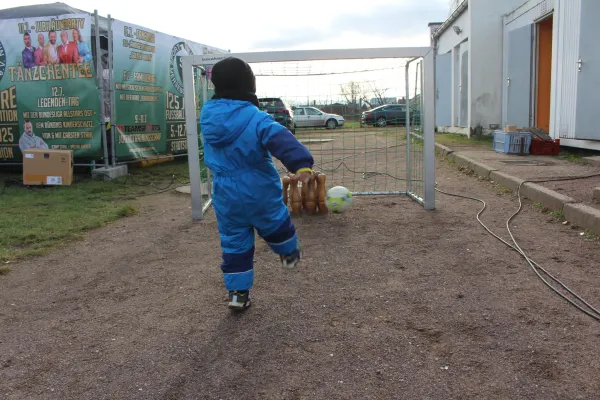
x=480 y=169
x=508 y=181
x=580 y=214
x=547 y=197
x=585 y=216
x=442 y=150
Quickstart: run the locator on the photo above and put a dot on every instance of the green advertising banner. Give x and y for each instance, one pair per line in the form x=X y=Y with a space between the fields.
x=149 y=106
x=48 y=88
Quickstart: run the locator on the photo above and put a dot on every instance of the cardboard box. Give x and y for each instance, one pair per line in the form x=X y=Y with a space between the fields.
x=47 y=167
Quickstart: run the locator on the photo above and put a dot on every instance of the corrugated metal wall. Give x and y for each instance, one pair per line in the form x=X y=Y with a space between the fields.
x=566 y=31
x=588 y=85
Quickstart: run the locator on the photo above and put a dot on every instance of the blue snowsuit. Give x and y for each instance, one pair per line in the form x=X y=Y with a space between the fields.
x=239 y=140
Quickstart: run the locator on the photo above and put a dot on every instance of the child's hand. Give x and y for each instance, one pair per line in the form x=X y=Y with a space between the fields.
x=303 y=177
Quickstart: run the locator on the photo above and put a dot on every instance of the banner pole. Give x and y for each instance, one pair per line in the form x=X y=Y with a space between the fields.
x=205 y=81
x=111 y=86
x=192 y=138
x=100 y=88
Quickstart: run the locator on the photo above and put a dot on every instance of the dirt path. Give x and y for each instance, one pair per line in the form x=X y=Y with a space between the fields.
x=392 y=302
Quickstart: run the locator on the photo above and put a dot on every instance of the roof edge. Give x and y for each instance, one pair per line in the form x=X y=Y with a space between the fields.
x=453 y=17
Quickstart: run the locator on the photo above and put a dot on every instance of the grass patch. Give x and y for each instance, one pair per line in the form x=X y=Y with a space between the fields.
x=590 y=236
x=347 y=125
x=449 y=160
x=37 y=219
x=126 y=210
x=572 y=157
x=557 y=215
x=4 y=270
x=351 y=125
x=449 y=139
x=501 y=189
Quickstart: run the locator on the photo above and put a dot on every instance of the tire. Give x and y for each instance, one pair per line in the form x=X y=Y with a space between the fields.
x=331 y=124
x=381 y=122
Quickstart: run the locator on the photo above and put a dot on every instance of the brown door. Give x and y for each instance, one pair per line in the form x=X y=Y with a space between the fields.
x=544 y=74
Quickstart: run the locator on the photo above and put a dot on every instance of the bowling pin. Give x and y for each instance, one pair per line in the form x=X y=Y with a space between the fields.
x=322 y=194
x=296 y=197
x=286 y=185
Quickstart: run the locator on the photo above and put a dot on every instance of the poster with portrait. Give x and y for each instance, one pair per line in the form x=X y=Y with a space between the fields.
x=149 y=106
x=48 y=88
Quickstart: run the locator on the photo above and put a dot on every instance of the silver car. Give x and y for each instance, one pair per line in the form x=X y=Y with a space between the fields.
x=311 y=117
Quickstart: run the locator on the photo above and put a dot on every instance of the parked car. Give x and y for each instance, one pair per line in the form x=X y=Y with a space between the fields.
x=390 y=114
x=280 y=110
x=306 y=117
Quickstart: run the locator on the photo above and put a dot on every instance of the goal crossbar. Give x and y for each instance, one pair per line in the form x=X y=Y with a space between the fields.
x=428 y=114
x=311 y=55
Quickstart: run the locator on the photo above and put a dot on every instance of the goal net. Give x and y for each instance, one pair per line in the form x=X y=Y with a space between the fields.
x=362 y=119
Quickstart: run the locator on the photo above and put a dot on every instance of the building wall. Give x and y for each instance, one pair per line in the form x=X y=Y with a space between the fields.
x=482 y=37
x=571 y=29
x=485 y=25
x=455 y=45
x=563 y=99
x=486 y=61
x=449 y=39
x=524 y=15
x=462 y=87
x=527 y=13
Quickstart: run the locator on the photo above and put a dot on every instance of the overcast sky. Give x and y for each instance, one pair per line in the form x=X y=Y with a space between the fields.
x=251 y=25
x=259 y=25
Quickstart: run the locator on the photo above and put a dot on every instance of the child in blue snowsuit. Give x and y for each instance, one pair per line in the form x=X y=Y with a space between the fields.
x=239 y=140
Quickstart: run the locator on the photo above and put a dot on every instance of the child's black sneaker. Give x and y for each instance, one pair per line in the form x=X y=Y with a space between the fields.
x=239 y=300
x=291 y=260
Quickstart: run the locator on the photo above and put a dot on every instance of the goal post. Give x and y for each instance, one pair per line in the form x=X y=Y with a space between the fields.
x=429 y=128
x=414 y=151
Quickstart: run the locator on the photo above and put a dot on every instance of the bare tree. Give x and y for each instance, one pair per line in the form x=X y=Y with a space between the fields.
x=352 y=92
x=358 y=93
x=378 y=93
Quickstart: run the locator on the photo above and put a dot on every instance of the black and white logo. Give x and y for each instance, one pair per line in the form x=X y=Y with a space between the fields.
x=181 y=49
x=2 y=61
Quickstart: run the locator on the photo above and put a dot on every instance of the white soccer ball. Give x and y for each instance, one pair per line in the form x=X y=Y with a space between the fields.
x=338 y=199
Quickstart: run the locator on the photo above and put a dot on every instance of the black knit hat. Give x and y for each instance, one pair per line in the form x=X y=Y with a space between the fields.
x=232 y=75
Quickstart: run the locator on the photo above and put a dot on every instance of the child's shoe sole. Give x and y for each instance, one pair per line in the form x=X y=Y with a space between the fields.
x=291 y=261
x=238 y=301
x=239 y=306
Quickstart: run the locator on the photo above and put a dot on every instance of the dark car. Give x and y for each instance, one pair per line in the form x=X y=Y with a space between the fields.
x=389 y=114
x=280 y=110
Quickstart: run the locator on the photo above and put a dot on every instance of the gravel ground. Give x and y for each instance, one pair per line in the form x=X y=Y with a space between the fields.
x=390 y=302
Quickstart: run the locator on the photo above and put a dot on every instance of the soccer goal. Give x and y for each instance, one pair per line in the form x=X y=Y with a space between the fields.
x=366 y=115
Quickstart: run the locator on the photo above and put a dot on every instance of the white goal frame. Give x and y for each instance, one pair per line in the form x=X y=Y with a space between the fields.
x=427 y=115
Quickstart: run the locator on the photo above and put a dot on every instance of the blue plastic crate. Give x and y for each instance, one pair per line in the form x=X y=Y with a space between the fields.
x=512 y=142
